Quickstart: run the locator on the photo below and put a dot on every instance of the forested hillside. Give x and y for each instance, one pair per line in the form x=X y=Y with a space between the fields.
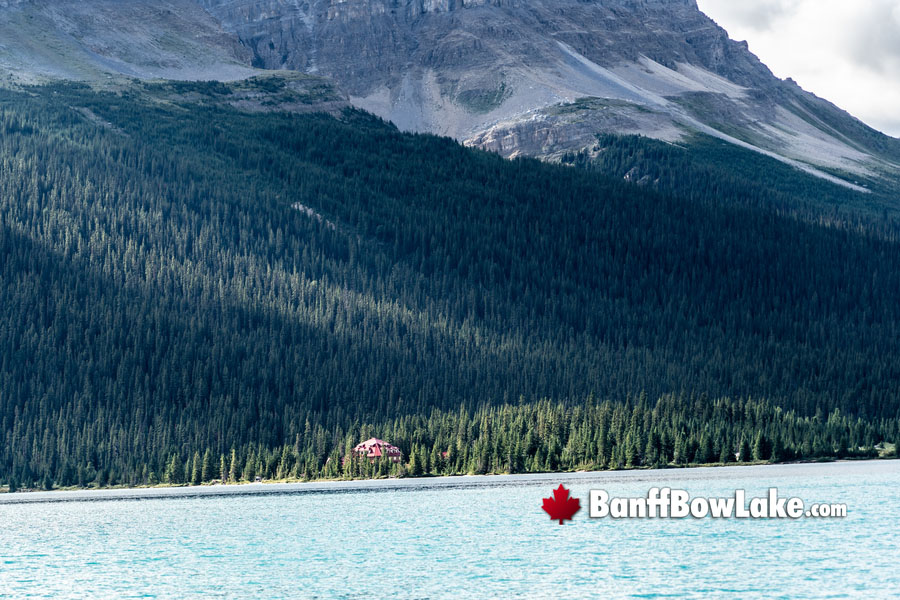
x=181 y=281
x=707 y=169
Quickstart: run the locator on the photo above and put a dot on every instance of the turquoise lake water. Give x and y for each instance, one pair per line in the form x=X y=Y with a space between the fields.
x=469 y=537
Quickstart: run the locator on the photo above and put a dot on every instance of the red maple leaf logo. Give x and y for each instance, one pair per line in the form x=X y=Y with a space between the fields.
x=561 y=507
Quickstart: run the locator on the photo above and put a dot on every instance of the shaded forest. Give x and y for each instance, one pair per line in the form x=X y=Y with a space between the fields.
x=187 y=283
x=707 y=169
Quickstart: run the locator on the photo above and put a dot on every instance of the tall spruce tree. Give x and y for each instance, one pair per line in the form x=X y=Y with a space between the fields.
x=744 y=454
x=207 y=472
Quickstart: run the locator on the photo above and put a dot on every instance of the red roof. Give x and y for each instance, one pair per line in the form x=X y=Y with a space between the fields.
x=374 y=448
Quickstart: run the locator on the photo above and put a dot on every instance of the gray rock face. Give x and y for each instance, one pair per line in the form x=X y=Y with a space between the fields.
x=74 y=39
x=370 y=42
x=471 y=44
x=541 y=77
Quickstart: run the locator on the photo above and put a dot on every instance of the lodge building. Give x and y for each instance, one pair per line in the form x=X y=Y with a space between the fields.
x=374 y=448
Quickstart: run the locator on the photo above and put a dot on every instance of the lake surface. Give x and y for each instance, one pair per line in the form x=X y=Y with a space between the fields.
x=463 y=537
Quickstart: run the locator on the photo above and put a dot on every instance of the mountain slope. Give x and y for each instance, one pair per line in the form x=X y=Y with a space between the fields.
x=537 y=78
x=73 y=39
x=181 y=277
x=542 y=77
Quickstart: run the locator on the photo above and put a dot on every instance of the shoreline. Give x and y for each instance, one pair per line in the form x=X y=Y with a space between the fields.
x=696 y=472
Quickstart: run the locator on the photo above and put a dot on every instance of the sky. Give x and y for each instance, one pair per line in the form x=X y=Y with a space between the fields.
x=846 y=51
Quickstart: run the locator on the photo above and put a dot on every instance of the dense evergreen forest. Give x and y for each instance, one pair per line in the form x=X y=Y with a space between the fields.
x=191 y=292
x=707 y=169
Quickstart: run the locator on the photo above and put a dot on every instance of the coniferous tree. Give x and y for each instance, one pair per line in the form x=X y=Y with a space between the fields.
x=779 y=453
x=233 y=472
x=174 y=473
x=651 y=451
x=726 y=455
x=706 y=453
x=744 y=454
x=206 y=467
x=761 y=449
x=415 y=462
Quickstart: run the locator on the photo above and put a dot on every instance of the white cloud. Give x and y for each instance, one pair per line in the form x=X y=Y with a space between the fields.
x=847 y=52
x=760 y=15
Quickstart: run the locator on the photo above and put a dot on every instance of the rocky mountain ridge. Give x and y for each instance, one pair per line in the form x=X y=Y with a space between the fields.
x=98 y=39
x=536 y=77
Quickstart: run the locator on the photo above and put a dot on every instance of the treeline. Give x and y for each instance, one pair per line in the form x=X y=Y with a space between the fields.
x=706 y=169
x=525 y=438
x=179 y=278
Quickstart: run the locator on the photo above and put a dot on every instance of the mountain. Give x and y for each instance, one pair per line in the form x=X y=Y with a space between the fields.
x=245 y=275
x=182 y=277
x=71 y=39
x=519 y=77
x=540 y=77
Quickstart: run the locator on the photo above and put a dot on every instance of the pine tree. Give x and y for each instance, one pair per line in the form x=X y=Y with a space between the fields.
x=633 y=455
x=726 y=454
x=706 y=452
x=415 y=462
x=843 y=446
x=761 y=447
x=250 y=471
x=744 y=455
x=437 y=462
x=174 y=473
x=778 y=451
x=196 y=469
x=678 y=452
x=206 y=469
x=234 y=472
x=651 y=452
